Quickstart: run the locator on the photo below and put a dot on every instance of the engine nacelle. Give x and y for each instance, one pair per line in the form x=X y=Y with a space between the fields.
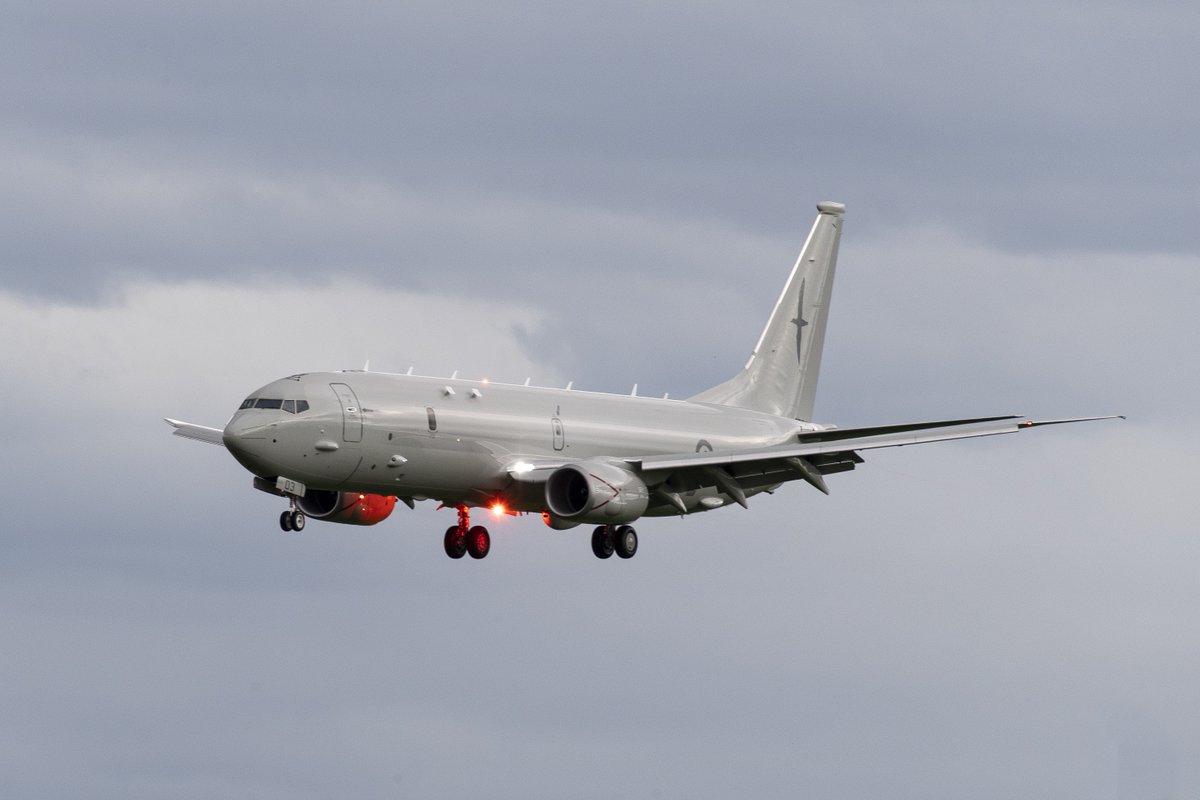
x=559 y=524
x=594 y=491
x=348 y=508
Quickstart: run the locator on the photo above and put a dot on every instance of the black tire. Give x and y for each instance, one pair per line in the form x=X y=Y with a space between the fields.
x=602 y=542
x=285 y=521
x=625 y=541
x=455 y=542
x=298 y=520
x=479 y=542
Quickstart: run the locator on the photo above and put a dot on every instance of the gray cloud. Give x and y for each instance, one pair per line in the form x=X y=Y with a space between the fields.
x=1017 y=125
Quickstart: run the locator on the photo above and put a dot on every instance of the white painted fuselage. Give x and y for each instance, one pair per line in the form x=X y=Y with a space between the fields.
x=459 y=441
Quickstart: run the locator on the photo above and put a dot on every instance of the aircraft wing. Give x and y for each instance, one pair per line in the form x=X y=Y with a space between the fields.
x=198 y=432
x=835 y=450
x=534 y=470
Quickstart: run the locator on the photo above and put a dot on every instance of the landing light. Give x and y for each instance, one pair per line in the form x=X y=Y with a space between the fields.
x=521 y=467
x=498 y=509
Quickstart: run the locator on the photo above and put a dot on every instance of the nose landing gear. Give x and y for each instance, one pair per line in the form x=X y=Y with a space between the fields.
x=462 y=538
x=292 y=520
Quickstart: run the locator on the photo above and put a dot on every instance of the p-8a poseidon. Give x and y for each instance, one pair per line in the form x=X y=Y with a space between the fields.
x=345 y=446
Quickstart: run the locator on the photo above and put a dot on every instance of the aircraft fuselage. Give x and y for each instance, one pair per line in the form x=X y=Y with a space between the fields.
x=456 y=440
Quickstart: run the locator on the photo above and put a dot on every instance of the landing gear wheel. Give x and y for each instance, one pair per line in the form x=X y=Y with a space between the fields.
x=297 y=520
x=456 y=543
x=625 y=541
x=479 y=542
x=285 y=521
x=602 y=542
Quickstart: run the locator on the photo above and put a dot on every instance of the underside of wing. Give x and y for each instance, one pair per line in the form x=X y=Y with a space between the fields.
x=814 y=455
x=198 y=432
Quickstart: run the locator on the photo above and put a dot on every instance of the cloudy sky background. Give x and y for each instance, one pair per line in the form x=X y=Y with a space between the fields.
x=197 y=198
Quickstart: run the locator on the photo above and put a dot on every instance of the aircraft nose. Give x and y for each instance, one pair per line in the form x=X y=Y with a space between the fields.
x=244 y=440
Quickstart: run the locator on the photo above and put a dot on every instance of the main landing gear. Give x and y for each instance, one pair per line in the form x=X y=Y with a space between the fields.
x=463 y=538
x=609 y=539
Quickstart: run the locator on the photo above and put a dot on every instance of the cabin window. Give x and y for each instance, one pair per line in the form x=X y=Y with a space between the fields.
x=432 y=419
x=249 y=402
x=301 y=406
x=289 y=406
x=269 y=402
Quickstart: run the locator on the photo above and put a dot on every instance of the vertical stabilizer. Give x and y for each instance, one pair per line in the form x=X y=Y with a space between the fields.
x=781 y=376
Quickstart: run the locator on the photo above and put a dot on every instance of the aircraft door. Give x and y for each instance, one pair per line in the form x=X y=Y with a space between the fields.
x=352 y=424
x=556 y=428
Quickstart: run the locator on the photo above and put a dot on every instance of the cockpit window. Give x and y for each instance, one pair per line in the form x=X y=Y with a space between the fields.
x=290 y=406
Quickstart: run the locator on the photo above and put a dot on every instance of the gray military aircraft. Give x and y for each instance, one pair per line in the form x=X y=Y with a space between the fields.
x=345 y=446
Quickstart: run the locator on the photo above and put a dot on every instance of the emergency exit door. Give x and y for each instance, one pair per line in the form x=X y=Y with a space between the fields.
x=352 y=424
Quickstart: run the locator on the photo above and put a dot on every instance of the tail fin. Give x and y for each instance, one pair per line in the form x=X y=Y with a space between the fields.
x=781 y=376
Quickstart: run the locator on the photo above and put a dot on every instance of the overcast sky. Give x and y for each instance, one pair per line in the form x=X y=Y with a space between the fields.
x=198 y=198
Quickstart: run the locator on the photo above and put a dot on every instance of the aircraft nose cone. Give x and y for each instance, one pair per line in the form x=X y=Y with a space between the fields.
x=247 y=443
x=238 y=435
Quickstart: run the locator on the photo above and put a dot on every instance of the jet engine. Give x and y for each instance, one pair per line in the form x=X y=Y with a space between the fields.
x=595 y=491
x=348 y=508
